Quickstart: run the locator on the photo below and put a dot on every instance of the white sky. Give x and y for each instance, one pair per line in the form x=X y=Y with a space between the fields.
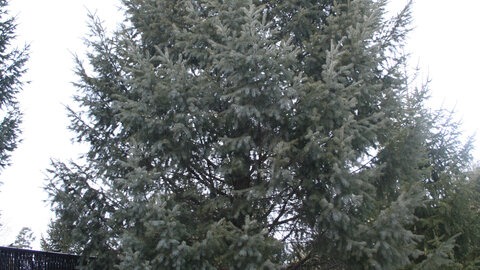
x=444 y=44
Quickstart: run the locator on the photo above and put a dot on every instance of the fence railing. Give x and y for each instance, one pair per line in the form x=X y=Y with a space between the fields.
x=24 y=259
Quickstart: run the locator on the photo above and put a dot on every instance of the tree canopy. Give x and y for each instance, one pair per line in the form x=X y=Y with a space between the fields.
x=253 y=135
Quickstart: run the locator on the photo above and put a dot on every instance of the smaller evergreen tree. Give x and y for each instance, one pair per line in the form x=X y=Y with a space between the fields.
x=24 y=239
x=448 y=221
x=58 y=239
x=450 y=224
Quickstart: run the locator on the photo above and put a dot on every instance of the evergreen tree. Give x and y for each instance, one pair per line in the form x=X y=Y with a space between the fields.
x=246 y=135
x=24 y=239
x=12 y=61
x=450 y=222
x=58 y=240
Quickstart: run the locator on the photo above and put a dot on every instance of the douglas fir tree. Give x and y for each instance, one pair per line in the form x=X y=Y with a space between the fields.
x=242 y=134
x=12 y=61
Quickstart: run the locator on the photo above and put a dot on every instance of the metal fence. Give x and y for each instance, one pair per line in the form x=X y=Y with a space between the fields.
x=24 y=259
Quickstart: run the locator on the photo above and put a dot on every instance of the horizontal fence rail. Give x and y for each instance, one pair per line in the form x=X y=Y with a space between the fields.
x=24 y=259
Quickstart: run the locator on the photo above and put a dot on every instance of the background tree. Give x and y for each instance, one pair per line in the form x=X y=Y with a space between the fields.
x=248 y=135
x=12 y=61
x=450 y=221
x=24 y=239
x=58 y=239
x=11 y=68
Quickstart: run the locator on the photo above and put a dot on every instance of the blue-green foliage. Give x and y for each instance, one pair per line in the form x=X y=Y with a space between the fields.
x=247 y=135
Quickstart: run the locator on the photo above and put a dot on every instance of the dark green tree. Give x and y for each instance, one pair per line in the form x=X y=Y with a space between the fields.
x=58 y=239
x=12 y=61
x=246 y=135
x=450 y=222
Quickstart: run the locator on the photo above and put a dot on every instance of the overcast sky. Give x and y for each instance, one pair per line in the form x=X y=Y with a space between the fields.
x=444 y=45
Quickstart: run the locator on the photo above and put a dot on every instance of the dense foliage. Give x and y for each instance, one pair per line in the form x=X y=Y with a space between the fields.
x=253 y=135
x=12 y=61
